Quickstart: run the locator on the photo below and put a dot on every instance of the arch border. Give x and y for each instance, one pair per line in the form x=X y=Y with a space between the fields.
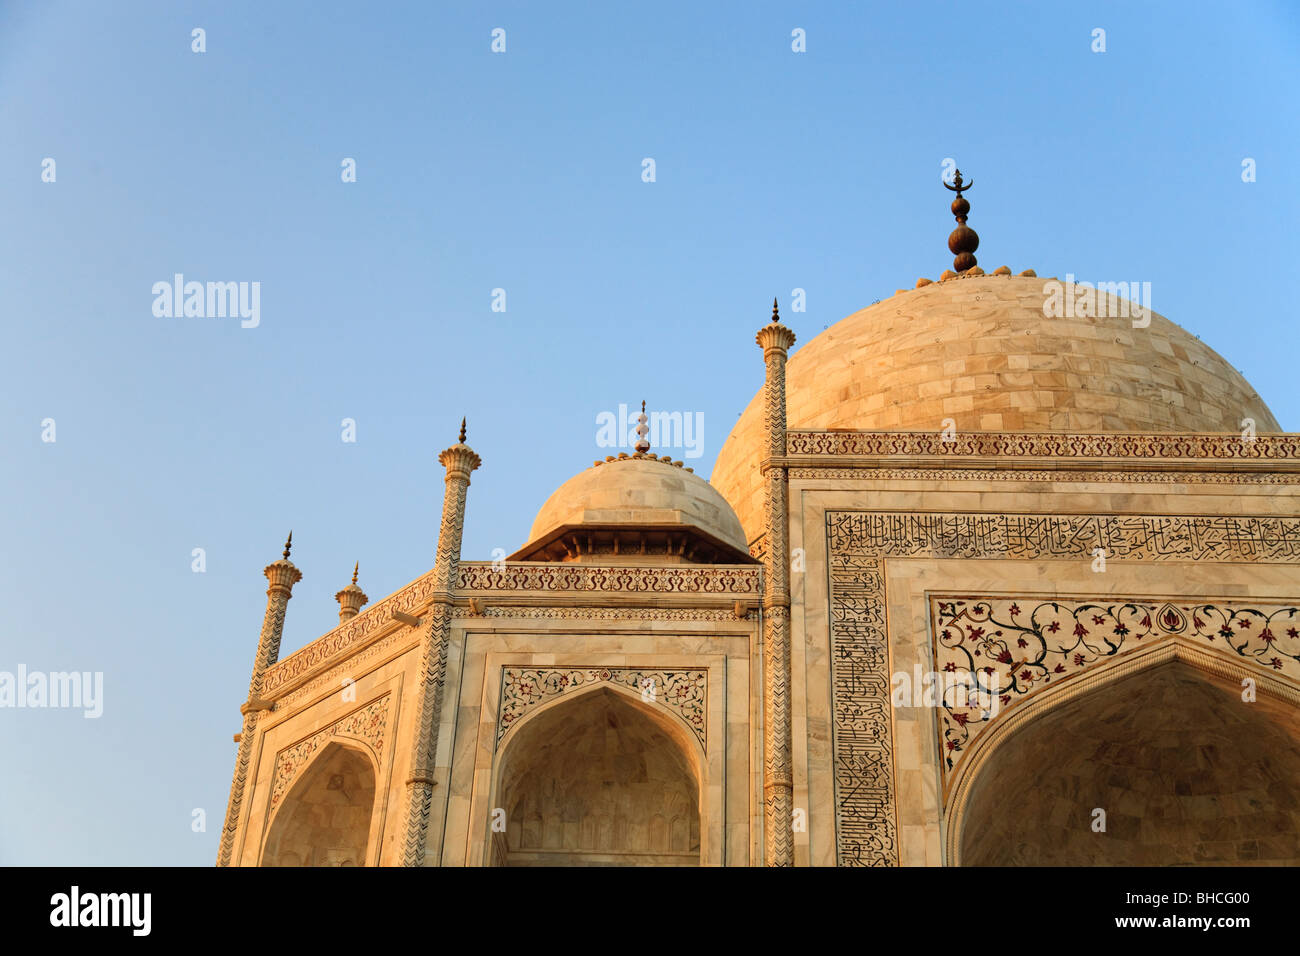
x=698 y=738
x=989 y=742
x=344 y=742
x=678 y=729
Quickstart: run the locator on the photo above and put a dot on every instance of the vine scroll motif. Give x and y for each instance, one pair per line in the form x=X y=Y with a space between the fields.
x=684 y=692
x=1015 y=647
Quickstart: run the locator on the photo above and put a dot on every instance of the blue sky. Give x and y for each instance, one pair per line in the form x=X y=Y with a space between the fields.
x=520 y=171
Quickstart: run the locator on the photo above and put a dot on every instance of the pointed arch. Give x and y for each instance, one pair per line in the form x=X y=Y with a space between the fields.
x=327 y=818
x=598 y=777
x=1040 y=739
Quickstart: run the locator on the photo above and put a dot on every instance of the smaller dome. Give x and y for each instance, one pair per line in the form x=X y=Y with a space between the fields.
x=632 y=507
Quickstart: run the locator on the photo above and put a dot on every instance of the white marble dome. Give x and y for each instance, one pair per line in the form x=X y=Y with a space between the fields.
x=983 y=351
x=644 y=501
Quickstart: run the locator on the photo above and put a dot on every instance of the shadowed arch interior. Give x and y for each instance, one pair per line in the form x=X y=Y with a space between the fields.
x=598 y=780
x=325 y=818
x=1186 y=772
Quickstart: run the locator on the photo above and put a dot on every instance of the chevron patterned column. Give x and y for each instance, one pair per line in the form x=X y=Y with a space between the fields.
x=283 y=576
x=459 y=460
x=778 y=771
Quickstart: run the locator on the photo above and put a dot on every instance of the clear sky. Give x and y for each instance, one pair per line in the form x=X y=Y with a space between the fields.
x=520 y=171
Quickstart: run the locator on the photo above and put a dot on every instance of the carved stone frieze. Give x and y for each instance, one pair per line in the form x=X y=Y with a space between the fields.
x=1046 y=445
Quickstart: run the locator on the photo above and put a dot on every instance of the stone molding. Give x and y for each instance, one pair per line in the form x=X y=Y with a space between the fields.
x=921 y=473
x=1006 y=447
x=545 y=582
x=679 y=579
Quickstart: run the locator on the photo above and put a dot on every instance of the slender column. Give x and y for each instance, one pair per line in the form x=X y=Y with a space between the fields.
x=459 y=460
x=778 y=772
x=282 y=576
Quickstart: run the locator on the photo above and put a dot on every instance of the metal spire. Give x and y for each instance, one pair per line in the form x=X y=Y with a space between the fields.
x=642 y=443
x=963 y=241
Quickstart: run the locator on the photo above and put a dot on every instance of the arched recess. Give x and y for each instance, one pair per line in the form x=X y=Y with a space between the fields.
x=599 y=778
x=1186 y=771
x=326 y=817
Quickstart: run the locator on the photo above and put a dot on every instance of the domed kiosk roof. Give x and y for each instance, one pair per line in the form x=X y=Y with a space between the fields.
x=634 y=507
x=982 y=351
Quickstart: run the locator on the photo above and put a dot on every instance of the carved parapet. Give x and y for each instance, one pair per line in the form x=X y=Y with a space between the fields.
x=351 y=635
x=1130 y=449
x=554 y=579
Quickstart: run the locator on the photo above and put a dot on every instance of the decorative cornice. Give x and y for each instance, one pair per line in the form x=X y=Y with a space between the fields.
x=1131 y=448
x=588 y=613
x=723 y=579
x=1234 y=476
x=371 y=624
x=556 y=584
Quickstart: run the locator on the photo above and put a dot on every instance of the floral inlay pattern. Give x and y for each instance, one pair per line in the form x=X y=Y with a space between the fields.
x=684 y=692
x=1015 y=647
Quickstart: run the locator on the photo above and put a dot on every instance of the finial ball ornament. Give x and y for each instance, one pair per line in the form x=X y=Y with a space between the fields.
x=962 y=241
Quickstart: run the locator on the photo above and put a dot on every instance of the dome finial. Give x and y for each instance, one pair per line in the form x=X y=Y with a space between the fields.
x=462 y=431
x=776 y=316
x=963 y=241
x=355 y=568
x=642 y=444
x=287 y=545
